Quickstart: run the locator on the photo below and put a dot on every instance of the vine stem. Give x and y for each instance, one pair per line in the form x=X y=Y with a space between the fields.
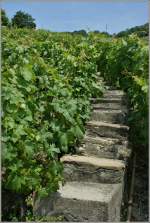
x=130 y=202
x=22 y=209
x=33 y=199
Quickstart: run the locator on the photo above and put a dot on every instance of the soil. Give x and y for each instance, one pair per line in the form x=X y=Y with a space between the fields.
x=140 y=209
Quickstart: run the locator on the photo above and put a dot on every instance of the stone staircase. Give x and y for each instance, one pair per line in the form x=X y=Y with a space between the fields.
x=95 y=175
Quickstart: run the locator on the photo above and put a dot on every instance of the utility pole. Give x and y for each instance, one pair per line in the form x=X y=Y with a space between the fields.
x=106 y=28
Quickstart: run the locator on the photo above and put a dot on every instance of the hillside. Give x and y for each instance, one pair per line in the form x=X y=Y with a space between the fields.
x=141 y=31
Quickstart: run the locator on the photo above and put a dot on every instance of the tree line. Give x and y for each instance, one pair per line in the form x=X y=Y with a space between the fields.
x=25 y=20
x=140 y=31
x=19 y=20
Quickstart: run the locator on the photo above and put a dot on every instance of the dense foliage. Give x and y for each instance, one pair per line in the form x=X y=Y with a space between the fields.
x=124 y=64
x=140 y=31
x=4 y=18
x=48 y=79
x=23 y=20
x=46 y=86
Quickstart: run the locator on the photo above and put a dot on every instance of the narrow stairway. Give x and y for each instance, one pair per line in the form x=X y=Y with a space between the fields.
x=95 y=175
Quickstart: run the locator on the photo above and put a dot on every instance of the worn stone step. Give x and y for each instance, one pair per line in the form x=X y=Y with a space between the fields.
x=83 y=202
x=109 y=105
x=92 y=169
x=119 y=100
x=104 y=148
x=112 y=152
x=97 y=128
x=117 y=116
x=114 y=93
x=105 y=140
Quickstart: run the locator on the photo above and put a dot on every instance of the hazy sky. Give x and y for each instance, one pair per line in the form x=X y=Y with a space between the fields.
x=75 y=15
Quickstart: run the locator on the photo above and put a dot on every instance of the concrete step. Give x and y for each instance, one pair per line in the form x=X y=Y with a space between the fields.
x=112 y=116
x=92 y=169
x=83 y=202
x=102 y=147
x=97 y=128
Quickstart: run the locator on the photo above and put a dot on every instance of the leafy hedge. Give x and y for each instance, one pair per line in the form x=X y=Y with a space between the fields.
x=46 y=86
x=124 y=64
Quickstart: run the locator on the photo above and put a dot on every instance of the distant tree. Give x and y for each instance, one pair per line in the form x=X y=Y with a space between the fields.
x=81 y=32
x=96 y=31
x=23 y=20
x=106 y=33
x=4 y=18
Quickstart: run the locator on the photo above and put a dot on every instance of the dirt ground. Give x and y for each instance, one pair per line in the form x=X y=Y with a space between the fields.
x=140 y=210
